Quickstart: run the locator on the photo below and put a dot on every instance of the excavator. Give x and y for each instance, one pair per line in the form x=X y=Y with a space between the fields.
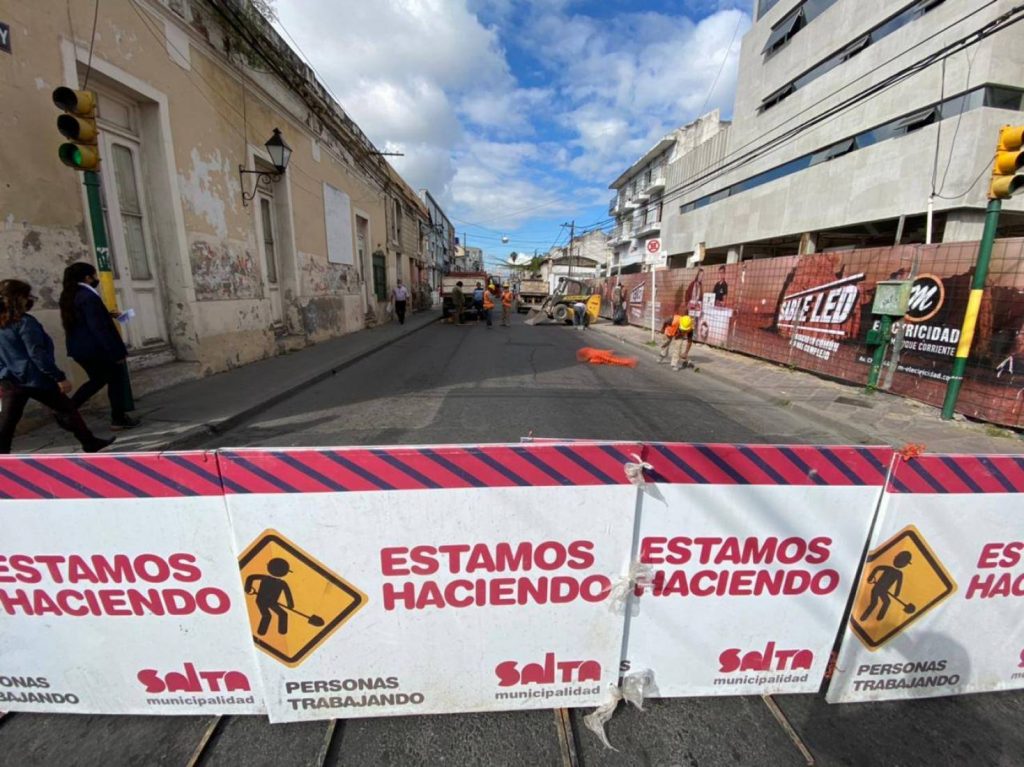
x=558 y=305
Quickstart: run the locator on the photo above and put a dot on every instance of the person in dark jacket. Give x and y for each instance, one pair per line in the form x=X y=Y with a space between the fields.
x=94 y=342
x=29 y=371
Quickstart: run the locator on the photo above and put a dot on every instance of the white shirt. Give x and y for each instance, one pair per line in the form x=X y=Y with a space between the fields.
x=90 y=287
x=401 y=293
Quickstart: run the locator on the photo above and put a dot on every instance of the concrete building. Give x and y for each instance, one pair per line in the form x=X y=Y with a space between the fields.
x=188 y=93
x=798 y=172
x=467 y=258
x=589 y=256
x=638 y=202
x=440 y=240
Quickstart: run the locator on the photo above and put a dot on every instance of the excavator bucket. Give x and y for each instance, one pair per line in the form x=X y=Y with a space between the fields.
x=535 y=315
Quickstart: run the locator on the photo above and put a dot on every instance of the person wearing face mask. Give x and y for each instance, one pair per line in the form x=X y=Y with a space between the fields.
x=94 y=342
x=29 y=371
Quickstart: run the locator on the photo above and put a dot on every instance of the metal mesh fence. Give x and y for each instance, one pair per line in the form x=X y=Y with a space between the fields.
x=813 y=312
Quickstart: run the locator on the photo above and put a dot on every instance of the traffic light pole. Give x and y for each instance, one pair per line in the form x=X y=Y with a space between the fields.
x=103 y=266
x=963 y=349
x=99 y=238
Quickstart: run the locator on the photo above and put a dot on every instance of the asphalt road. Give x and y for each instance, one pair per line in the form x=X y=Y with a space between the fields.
x=450 y=384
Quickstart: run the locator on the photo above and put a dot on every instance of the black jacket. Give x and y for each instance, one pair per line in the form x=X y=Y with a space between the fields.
x=94 y=336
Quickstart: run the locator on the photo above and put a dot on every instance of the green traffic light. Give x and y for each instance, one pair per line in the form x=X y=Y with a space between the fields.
x=70 y=155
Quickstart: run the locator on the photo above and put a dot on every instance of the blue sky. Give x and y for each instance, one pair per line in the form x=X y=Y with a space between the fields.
x=517 y=114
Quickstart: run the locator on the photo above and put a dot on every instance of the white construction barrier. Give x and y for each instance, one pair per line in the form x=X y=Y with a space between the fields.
x=938 y=608
x=747 y=555
x=407 y=581
x=119 y=591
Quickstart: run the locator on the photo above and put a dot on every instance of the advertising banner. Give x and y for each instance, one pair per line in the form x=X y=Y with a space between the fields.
x=119 y=591
x=407 y=581
x=751 y=552
x=939 y=609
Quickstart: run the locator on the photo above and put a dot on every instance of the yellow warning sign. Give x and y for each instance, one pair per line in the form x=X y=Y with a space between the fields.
x=902 y=580
x=294 y=601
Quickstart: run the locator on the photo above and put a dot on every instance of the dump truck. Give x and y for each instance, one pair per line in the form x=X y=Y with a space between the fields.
x=532 y=294
x=469 y=281
x=558 y=305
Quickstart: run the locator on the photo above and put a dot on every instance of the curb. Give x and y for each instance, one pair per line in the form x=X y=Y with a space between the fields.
x=196 y=436
x=803 y=410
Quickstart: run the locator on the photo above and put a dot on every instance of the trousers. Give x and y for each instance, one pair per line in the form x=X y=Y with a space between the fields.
x=13 y=399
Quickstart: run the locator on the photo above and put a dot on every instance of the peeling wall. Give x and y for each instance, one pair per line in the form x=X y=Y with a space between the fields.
x=224 y=270
x=205 y=243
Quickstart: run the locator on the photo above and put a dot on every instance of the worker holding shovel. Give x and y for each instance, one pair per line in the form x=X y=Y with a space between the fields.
x=268 y=594
x=883 y=578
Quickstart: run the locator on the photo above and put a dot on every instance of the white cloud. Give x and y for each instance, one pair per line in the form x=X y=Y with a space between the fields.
x=432 y=79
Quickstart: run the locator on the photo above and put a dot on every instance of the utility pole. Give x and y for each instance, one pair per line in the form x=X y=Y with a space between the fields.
x=572 y=236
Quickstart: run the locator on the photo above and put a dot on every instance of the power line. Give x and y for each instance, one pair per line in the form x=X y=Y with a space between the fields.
x=92 y=44
x=990 y=28
x=721 y=68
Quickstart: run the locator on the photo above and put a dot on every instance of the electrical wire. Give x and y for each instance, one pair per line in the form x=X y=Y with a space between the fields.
x=92 y=44
x=956 y=130
x=742 y=156
x=721 y=68
x=984 y=169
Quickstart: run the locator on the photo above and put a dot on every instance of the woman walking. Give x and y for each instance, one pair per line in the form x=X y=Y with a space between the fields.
x=29 y=371
x=94 y=342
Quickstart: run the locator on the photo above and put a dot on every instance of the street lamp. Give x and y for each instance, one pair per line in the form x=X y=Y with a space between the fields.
x=280 y=153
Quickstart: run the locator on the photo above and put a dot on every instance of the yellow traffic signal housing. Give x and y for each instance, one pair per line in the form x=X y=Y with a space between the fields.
x=1009 y=160
x=79 y=125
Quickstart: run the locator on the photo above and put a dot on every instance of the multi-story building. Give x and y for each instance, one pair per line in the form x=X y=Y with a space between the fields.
x=638 y=204
x=467 y=258
x=440 y=240
x=223 y=258
x=847 y=121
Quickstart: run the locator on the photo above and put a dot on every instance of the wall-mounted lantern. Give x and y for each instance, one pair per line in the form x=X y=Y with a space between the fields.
x=280 y=153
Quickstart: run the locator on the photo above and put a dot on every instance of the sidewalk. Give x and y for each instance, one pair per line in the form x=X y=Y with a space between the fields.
x=185 y=415
x=878 y=418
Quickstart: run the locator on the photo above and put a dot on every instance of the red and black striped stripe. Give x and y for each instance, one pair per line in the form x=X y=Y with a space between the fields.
x=421 y=468
x=141 y=475
x=767 y=464
x=958 y=474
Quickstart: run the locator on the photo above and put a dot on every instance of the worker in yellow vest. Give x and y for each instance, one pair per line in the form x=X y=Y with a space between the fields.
x=676 y=331
x=489 y=303
x=506 y=306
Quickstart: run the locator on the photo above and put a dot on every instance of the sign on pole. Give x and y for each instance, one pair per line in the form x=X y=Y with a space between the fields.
x=406 y=581
x=938 y=608
x=751 y=553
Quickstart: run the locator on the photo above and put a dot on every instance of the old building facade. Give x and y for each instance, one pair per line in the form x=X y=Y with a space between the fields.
x=188 y=93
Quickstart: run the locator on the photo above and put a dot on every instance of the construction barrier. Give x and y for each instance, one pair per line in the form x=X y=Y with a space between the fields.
x=321 y=584
x=432 y=580
x=937 y=610
x=750 y=554
x=119 y=591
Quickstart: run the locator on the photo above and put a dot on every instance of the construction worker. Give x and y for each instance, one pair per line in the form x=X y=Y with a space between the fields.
x=506 y=307
x=488 y=303
x=677 y=330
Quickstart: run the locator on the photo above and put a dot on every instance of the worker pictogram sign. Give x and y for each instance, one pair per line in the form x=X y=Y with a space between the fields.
x=294 y=602
x=902 y=580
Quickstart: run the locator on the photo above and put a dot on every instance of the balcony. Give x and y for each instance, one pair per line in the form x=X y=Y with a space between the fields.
x=613 y=206
x=628 y=206
x=657 y=183
x=651 y=227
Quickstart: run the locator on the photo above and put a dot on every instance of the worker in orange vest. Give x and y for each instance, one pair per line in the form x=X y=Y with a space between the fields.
x=677 y=330
x=489 y=303
x=506 y=306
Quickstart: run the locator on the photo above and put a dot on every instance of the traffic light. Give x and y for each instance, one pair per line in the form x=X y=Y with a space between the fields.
x=1009 y=160
x=78 y=123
